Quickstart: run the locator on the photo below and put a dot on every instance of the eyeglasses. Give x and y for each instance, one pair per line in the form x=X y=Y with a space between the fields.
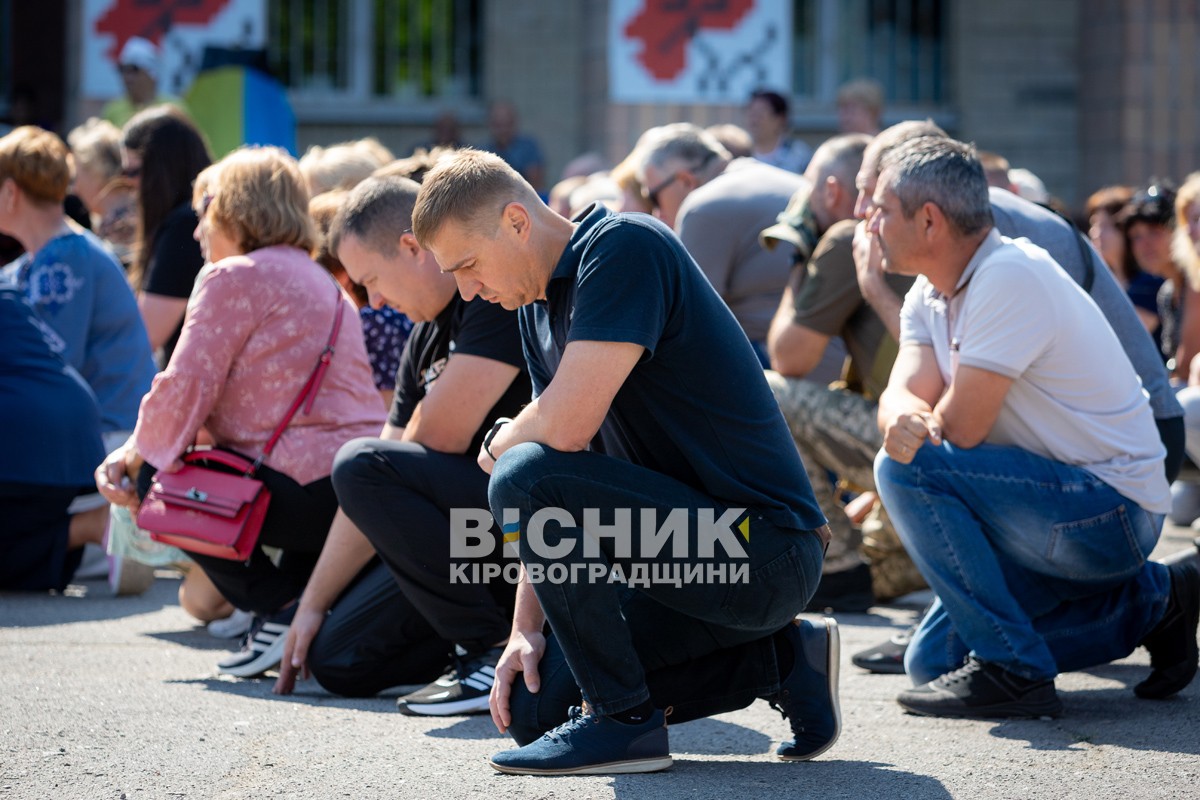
x=652 y=194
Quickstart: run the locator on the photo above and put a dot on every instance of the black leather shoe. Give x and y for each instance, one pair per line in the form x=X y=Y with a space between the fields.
x=848 y=590
x=978 y=689
x=1172 y=644
x=886 y=658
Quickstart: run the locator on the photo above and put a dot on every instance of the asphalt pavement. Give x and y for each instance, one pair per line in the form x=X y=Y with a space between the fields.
x=107 y=697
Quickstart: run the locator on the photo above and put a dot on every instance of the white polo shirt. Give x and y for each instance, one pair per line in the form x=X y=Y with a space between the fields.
x=1075 y=397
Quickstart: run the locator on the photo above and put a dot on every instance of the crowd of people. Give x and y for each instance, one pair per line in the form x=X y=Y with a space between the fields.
x=582 y=462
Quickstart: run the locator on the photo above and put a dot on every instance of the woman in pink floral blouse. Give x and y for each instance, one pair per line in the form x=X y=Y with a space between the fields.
x=257 y=321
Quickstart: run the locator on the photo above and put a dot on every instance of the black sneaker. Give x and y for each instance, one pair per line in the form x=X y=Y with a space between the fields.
x=848 y=590
x=980 y=689
x=808 y=696
x=262 y=646
x=1172 y=643
x=886 y=658
x=462 y=690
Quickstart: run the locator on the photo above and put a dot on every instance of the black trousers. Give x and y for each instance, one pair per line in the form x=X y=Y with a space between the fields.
x=373 y=639
x=400 y=495
x=297 y=523
x=34 y=533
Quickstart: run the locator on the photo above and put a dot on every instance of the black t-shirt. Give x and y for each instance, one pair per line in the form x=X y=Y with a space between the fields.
x=697 y=406
x=174 y=261
x=478 y=328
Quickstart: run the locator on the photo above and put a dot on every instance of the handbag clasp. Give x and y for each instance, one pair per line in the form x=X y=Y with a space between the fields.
x=197 y=495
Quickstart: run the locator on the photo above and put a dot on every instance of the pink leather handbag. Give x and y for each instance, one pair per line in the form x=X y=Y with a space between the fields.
x=214 y=505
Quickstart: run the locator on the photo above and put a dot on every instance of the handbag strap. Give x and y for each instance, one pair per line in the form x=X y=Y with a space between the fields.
x=308 y=393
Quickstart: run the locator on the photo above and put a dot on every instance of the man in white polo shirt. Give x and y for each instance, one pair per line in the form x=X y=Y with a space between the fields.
x=1021 y=462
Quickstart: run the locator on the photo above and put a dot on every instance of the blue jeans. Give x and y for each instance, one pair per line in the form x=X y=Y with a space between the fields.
x=610 y=636
x=1038 y=566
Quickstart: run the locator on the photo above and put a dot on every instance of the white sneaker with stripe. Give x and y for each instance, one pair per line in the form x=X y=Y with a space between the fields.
x=262 y=647
x=462 y=690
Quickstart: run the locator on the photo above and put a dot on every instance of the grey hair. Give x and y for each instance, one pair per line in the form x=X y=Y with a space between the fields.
x=840 y=156
x=891 y=138
x=942 y=171
x=682 y=142
x=97 y=144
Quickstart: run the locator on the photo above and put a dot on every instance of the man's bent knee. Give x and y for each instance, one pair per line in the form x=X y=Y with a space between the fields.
x=515 y=473
x=353 y=462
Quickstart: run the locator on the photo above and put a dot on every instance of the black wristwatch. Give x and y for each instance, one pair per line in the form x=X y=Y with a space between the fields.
x=491 y=434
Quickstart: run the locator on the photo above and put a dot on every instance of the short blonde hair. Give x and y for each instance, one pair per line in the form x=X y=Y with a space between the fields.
x=1185 y=251
x=36 y=160
x=258 y=197
x=471 y=187
x=96 y=144
x=344 y=165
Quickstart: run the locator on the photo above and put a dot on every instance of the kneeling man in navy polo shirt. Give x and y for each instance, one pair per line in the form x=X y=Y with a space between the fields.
x=666 y=529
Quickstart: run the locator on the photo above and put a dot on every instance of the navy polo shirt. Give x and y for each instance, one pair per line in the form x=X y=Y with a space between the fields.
x=697 y=406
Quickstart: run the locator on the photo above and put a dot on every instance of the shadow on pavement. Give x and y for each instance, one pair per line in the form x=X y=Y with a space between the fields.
x=306 y=693
x=195 y=638
x=85 y=601
x=775 y=779
x=717 y=737
x=1113 y=717
x=476 y=727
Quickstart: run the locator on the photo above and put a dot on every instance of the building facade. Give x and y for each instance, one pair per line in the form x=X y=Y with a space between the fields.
x=1082 y=92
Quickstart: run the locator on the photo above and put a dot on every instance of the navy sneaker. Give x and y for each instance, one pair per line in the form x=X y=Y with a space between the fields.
x=588 y=744
x=979 y=689
x=1172 y=643
x=262 y=646
x=808 y=696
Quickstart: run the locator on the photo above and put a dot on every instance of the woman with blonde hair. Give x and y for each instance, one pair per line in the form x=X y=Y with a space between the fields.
x=1185 y=243
x=260 y=317
x=107 y=195
x=343 y=165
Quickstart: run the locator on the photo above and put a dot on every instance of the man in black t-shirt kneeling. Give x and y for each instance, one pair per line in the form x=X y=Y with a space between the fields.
x=366 y=624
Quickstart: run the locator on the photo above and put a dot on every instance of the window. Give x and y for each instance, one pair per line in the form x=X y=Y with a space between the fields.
x=900 y=43
x=372 y=51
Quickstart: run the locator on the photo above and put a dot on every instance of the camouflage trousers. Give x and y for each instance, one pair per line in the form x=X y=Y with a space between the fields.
x=835 y=431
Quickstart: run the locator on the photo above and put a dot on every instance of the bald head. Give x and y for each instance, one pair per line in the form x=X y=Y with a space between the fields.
x=832 y=171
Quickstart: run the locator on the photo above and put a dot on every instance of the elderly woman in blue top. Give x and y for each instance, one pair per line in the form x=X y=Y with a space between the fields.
x=75 y=284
